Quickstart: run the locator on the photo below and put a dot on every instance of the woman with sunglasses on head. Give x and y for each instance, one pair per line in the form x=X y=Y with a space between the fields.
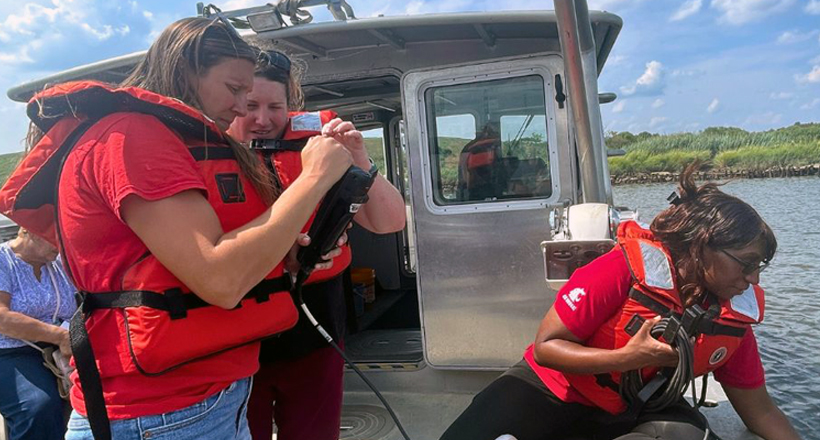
x=703 y=253
x=170 y=231
x=299 y=371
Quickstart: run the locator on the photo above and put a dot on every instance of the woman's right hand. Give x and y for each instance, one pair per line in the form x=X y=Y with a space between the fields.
x=645 y=351
x=65 y=343
x=326 y=159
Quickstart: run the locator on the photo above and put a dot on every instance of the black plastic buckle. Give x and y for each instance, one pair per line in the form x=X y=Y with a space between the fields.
x=634 y=324
x=672 y=326
x=176 y=303
x=692 y=318
x=80 y=296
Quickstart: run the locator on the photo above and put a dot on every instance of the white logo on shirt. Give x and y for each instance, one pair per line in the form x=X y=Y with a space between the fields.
x=574 y=297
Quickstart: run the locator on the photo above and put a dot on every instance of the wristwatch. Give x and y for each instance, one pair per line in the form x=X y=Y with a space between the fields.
x=374 y=169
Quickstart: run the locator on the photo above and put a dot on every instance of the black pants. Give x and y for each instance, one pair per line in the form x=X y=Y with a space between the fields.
x=518 y=403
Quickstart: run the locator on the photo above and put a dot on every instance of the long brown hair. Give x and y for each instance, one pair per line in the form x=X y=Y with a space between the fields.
x=186 y=50
x=706 y=217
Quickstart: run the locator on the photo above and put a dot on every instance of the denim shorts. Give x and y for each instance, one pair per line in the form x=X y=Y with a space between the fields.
x=221 y=416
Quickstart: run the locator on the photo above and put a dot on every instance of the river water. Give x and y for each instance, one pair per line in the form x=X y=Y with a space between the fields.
x=789 y=337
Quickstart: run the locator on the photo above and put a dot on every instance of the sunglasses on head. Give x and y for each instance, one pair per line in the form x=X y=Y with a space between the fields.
x=219 y=17
x=276 y=59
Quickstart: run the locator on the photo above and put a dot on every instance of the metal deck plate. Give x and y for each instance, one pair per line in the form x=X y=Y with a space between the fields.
x=384 y=346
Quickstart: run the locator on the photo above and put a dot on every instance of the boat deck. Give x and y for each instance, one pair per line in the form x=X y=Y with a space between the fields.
x=439 y=396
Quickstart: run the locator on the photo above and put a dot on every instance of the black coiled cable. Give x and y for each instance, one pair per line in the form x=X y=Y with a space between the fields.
x=679 y=377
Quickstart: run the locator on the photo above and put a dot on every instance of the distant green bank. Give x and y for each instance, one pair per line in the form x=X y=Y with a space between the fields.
x=7 y=164
x=730 y=152
x=793 y=150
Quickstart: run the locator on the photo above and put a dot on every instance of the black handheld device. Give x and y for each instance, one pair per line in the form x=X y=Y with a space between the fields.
x=340 y=205
x=336 y=211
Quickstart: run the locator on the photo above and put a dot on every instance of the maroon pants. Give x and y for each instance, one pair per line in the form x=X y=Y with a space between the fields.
x=308 y=398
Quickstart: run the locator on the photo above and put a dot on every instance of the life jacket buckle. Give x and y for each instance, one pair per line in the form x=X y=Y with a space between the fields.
x=176 y=303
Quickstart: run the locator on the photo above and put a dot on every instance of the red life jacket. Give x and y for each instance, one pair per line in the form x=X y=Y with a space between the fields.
x=655 y=292
x=163 y=325
x=284 y=159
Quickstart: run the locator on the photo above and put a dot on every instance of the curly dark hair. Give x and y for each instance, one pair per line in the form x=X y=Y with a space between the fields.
x=706 y=217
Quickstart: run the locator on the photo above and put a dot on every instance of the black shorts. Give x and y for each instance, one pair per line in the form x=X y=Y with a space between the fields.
x=518 y=403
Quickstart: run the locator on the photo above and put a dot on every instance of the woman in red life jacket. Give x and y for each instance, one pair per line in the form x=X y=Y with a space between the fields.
x=169 y=230
x=707 y=250
x=299 y=371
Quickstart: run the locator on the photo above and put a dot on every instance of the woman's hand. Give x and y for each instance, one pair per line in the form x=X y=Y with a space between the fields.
x=292 y=264
x=65 y=343
x=760 y=414
x=325 y=159
x=645 y=351
x=346 y=133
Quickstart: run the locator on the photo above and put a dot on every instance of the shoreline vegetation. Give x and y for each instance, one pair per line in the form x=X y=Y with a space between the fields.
x=728 y=153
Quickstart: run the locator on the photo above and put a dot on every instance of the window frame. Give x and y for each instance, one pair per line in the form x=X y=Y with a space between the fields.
x=488 y=73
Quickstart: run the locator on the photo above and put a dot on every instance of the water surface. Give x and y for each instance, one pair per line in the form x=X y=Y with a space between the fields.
x=789 y=337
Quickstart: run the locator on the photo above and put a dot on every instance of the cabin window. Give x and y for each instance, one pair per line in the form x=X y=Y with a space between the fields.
x=488 y=141
x=374 y=143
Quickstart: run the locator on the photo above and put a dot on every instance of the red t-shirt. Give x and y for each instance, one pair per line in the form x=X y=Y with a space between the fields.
x=124 y=154
x=595 y=293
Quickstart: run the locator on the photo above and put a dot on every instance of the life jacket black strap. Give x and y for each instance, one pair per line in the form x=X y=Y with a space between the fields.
x=89 y=375
x=605 y=380
x=174 y=301
x=211 y=153
x=279 y=144
x=713 y=328
x=649 y=302
x=705 y=326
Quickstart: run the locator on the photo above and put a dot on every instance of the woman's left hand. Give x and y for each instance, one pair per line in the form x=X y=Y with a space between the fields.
x=292 y=264
x=345 y=132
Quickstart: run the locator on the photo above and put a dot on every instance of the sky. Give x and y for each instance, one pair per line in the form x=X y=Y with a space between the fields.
x=678 y=65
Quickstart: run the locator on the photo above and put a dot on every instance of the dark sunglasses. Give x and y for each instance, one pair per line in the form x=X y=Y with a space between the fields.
x=746 y=267
x=274 y=58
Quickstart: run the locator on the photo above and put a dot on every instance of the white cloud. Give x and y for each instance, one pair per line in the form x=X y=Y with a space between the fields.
x=739 y=12
x=815 y=60
x=105 y=32
x=795 y=36
x=50 y=33
x=713 y=106
x=428 y=7
x=238 y=4
x=686 y=10
x=607 y=5
x=656 y=121
x=19 y=57
x=616 y=60
x=618 y=107
x=813 y=7
x=679 y=72
x=811 y=77
x=811 y=105
x=767 y=119
x=649 y=83
x=781 y=95
x=658 y=103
